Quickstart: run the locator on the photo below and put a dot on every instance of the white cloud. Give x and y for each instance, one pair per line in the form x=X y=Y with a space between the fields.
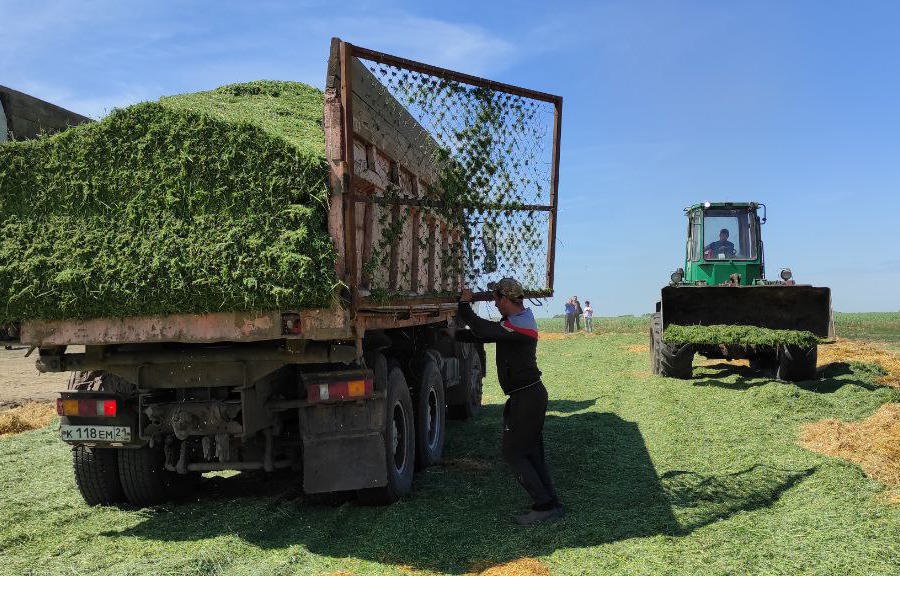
x=457 y=46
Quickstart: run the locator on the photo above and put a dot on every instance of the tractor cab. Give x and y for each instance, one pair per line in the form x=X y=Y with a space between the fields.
x=723 y=241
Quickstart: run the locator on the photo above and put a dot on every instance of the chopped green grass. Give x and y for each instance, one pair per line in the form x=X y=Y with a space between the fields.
x=737 y=334
x=659 y=476
x=197 y=203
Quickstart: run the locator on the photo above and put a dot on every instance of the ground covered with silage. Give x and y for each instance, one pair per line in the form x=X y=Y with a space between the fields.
x=659 y=476
x=204 y=202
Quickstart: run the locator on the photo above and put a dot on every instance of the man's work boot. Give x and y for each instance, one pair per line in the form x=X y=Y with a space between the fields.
x=534 y=517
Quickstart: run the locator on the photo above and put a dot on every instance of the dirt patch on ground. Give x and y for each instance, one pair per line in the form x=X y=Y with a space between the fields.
x=515 y=568
x=21 y=383
x=873 y=443
x=554 y=336
x=848 y=351
x=637 y=348
x=471 y=465
x=734 y=362
x=32 y=415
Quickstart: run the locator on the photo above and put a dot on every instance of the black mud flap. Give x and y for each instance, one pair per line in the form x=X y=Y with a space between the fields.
x=797 y=307
x=343 y=446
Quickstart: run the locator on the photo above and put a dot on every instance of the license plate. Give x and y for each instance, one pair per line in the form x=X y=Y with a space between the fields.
x=95 y=433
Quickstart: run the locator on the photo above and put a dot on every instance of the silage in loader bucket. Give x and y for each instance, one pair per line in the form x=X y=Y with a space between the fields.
x=784 y=307
x=459 y=173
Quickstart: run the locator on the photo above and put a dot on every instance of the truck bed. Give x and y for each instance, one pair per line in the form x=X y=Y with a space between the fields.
x=401 y=264
x=315 y=324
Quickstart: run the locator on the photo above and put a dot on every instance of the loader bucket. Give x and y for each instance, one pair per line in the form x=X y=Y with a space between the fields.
x=797 y=307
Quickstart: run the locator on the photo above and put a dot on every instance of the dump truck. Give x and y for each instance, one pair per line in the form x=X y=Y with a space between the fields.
x=353 y=397
x=723 y=283
x=24 y=117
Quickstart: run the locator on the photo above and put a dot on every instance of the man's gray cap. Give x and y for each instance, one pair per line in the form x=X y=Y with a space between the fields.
x=508 y=287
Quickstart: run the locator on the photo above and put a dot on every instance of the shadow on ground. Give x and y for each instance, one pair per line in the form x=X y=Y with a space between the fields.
x=459 y=516
x=829 y=378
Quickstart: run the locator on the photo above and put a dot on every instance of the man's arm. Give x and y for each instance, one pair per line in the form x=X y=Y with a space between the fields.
x=482 y=330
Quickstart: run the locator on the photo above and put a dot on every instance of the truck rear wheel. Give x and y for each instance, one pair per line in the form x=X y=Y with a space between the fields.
x=146 y=481
x=796 y=363
x=97 y=475
x=668 y=360
x=431 y=414
x=399 y=444
x=464 y=400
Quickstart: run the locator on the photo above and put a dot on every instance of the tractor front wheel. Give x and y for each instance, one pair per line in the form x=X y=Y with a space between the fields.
x=668 y=360
x=796 y=363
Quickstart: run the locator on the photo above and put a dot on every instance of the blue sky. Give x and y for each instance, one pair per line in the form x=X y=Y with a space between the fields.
x=793 y=104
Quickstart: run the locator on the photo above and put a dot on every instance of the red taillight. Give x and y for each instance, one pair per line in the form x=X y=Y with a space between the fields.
x=290 y=323
x=353 y=389
x=71 y=407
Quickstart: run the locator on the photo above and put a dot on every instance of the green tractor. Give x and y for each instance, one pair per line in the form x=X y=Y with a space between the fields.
x=723 y=283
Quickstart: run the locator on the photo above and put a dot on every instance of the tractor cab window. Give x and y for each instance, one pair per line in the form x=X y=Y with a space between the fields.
x=729 y=234
x=695 y=237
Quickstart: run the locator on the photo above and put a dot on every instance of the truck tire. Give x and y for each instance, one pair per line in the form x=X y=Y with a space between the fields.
x=796 y=363
x=668 y=360
x=399 y=444
x=97 y=475
x=431 y=416
x=464 y=400
x=146 y=481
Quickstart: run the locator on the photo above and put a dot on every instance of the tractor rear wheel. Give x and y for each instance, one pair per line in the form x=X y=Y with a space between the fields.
x=668 y=360
x=796 y=363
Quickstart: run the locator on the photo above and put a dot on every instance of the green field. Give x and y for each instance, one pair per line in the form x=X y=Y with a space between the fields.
x=659 y=476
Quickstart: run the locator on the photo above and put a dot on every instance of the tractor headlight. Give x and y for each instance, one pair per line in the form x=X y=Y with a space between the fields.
x=678 y=275
x=786 y=274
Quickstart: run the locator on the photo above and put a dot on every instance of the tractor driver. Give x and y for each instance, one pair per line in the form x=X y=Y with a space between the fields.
x=722 y=246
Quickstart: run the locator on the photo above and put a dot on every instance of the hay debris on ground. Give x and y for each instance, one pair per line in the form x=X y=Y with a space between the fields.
x=472 y=465
x=637 y=348
x=31 y=415
x=873 y=443
x=554 y=336
x=849 y=351
x=514 y=568
x=205 y=202
x=714 y=335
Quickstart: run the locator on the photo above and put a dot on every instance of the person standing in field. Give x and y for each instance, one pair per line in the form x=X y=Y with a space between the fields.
x=570 y=316
x=588 y=317
x=578 y=313
x=516 y=336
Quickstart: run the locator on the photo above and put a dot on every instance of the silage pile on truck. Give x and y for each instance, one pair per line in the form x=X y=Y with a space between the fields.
x=207 y=202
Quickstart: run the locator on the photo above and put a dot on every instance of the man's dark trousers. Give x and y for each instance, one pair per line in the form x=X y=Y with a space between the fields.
x=523 y=444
